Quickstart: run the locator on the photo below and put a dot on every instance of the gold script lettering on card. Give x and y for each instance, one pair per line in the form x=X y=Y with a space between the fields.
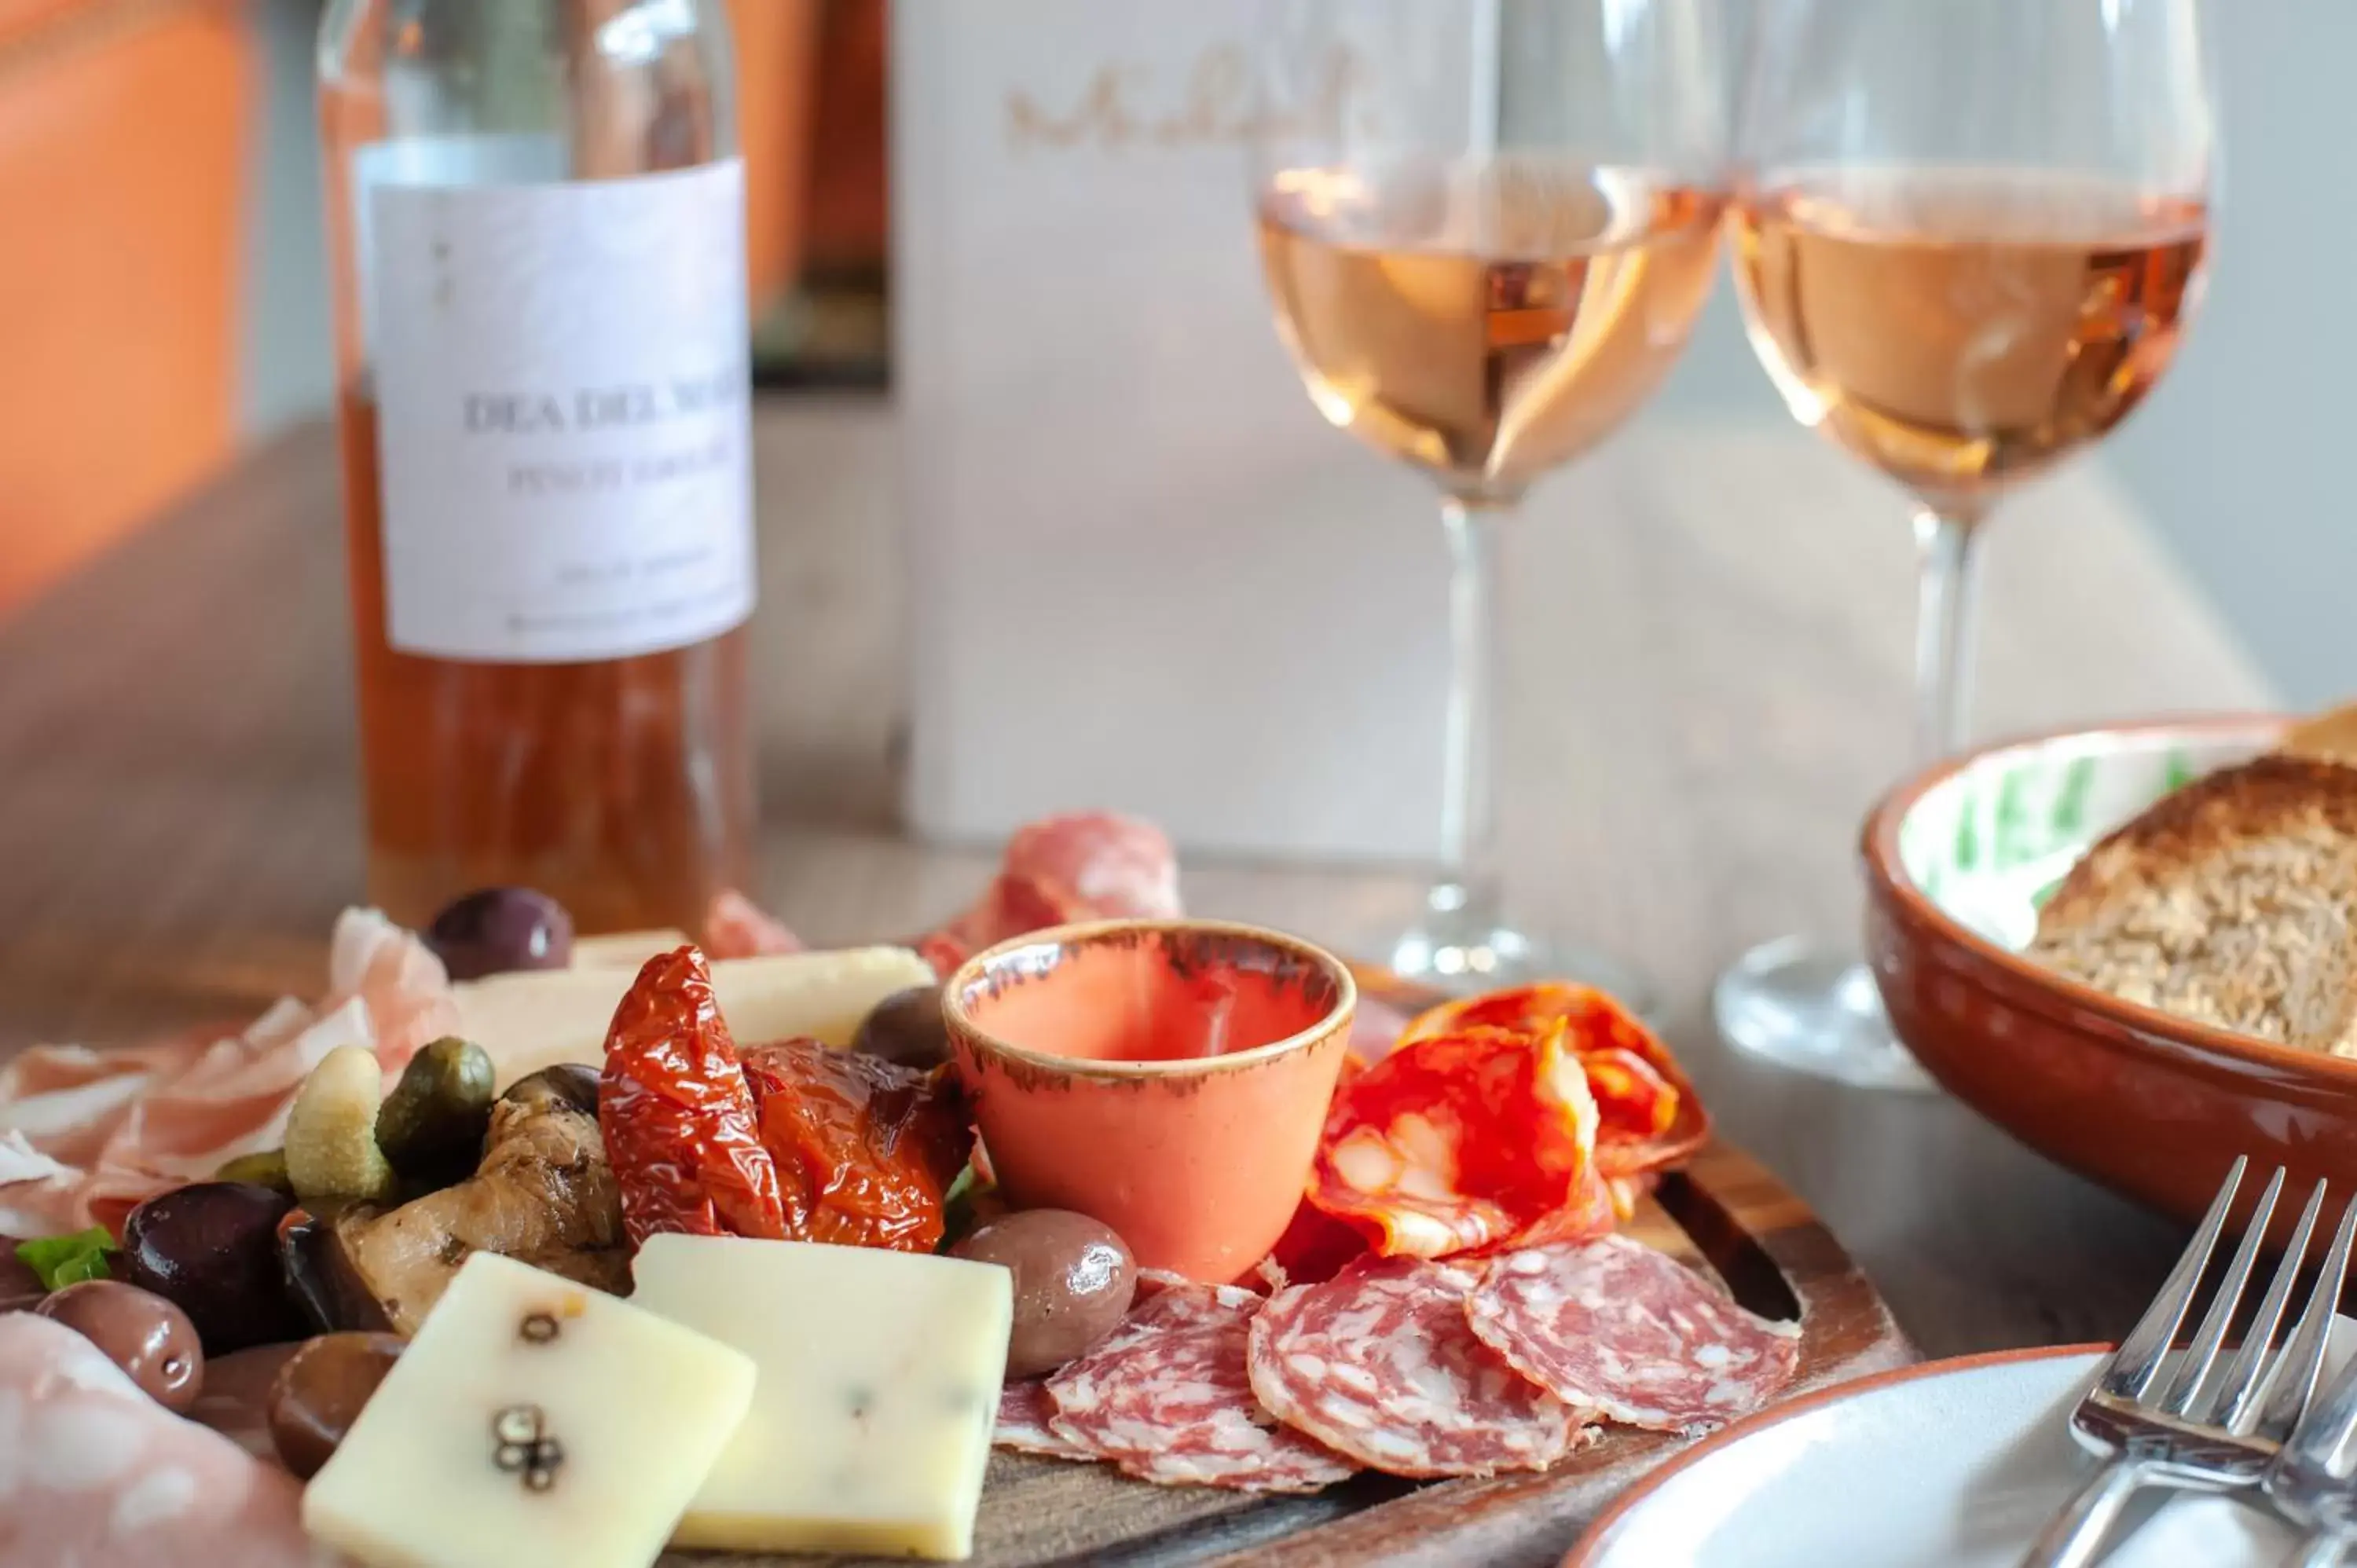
x=1123 y=106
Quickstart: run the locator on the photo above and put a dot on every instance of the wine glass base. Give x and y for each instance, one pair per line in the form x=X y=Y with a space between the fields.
x=1812 y=1010
x=1466 y=962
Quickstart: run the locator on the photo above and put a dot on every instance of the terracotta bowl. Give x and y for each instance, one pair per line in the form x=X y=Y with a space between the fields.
x=1168 y=1077
x=2150 y=1105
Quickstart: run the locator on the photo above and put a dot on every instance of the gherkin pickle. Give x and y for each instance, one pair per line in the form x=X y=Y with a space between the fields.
x=431 y=1125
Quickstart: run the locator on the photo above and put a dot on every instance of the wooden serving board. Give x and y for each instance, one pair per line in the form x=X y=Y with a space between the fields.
x=1722 y=1212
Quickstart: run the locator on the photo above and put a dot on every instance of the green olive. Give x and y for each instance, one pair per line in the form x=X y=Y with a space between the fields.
x=267 y=1169
x=331 y=1148
x=431 y=1125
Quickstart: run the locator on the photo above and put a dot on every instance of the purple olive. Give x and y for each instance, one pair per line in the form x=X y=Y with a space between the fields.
x=496 y=929
x=1074 y=1282
x=318 y=1393
x=211 y=1249
x=142 y=1333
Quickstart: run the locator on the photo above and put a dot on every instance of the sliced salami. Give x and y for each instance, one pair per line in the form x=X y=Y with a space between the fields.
x=1024 y=1413
x=1378 y=1364
x=1616 y=1327
x=1166 y=1398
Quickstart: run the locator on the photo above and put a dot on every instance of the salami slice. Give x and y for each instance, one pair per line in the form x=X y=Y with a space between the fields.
x=1378 y=1364
x=1024 y=1413
x=1166 y=1398
x=1085 y=866
x=1613 y=1326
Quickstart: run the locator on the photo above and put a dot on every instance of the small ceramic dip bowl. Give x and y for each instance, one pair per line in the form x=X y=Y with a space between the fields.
x=1168 y=1078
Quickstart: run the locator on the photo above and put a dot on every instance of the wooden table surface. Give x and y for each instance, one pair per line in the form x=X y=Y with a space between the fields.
x=1708 y=682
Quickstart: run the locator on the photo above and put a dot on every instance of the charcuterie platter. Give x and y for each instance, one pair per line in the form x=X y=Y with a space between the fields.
x=1723 y=1212
x=1074 y=1229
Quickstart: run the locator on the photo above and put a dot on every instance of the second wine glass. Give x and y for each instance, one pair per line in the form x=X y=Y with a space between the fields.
x=1487 y=229
x=1970 y=236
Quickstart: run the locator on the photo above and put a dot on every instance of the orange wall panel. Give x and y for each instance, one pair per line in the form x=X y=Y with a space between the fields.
x=124 y=137
x=777 y=58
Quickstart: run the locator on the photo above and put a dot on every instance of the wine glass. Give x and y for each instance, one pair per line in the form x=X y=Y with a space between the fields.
x=1969 y=235
x=1487 y=229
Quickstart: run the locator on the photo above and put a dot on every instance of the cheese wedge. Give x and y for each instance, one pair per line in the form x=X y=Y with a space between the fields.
x=539 y=1018
x=880 y=1374
x=625 y=950
x=532 y=1421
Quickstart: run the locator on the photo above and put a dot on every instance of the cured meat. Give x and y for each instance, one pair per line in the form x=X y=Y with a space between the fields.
x=1615 y=1327
x=736 y=927
x=1648 y=1116
x=133 y=1124
x=1313 y=1249
x=1097 y=861
x=1024 y=1414
x=35 y=1191
x=95 y=1473
x=1456 y=1143
x=1378 y=1364
x=1166 y=1398
x=1087 y=865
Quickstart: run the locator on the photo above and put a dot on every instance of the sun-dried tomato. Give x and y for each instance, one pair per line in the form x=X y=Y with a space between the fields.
x=1461 y=1142
x=1648 y=1114
x=679 y=1123
x=865 y=1148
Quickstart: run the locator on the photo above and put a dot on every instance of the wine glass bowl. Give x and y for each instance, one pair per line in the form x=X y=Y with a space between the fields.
x=1487 y=231
x=1968 y=241
x=1962 y=329
x=1484 y=320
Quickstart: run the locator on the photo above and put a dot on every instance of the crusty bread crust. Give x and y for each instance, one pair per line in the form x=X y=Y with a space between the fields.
x=2232 y=901
x=2329 y=736
x=2179 y=835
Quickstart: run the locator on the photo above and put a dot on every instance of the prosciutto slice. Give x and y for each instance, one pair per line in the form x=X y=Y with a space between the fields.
x=94 y=1473
x=115 y=1128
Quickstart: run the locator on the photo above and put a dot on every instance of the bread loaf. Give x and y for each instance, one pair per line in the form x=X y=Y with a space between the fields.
x=2231 y=902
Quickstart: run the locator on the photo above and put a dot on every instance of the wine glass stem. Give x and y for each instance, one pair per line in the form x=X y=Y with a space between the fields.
x=1948 y=544
x=1467 y=890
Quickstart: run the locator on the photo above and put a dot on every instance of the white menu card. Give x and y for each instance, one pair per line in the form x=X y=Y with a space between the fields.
x=1145 y=575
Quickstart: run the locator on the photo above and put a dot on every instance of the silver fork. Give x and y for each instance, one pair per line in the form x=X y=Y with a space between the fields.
x=2309 y=1482
x=2194 y=1433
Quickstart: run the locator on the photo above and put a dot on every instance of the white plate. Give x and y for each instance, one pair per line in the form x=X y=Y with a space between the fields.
x=1957 y=1464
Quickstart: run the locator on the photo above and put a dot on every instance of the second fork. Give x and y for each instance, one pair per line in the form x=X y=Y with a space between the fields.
x=2189 y=1433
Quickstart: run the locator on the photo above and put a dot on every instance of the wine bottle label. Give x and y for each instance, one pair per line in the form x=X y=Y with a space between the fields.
x=561 y=376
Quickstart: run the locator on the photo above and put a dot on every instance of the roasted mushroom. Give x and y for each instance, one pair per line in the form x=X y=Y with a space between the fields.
x=544 y=1195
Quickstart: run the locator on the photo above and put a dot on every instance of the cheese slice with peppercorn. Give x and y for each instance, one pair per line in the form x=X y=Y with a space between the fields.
x=880 y=1373
x=532 y=1421
x=537 y=1019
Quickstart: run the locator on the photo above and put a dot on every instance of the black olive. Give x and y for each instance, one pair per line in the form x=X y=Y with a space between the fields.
x=211 y=1249
x=906 y=1027
x=568 y=1083
x=496 y=929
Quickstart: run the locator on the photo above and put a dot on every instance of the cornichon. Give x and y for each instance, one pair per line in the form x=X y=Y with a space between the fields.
x=431 y=1125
